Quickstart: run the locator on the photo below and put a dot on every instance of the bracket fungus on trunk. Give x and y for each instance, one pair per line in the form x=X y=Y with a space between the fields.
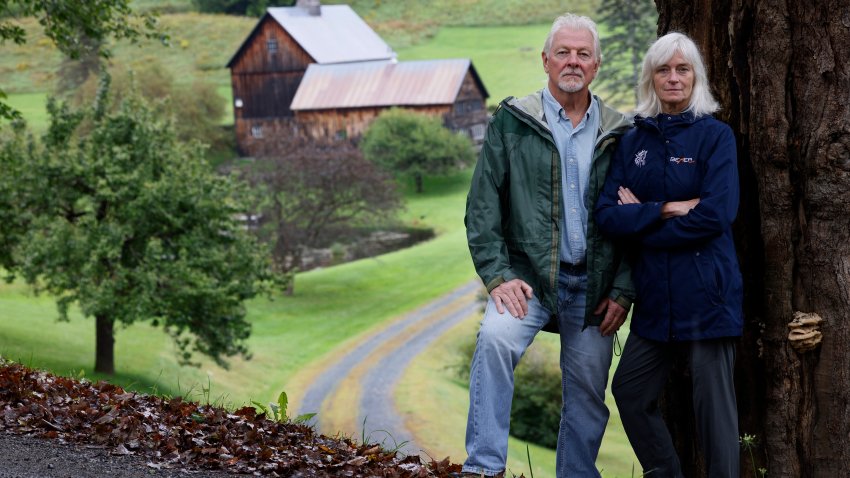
x=805 y=331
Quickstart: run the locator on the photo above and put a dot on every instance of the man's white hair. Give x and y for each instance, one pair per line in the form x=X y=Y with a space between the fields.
x=662 y=50
x=574 y=22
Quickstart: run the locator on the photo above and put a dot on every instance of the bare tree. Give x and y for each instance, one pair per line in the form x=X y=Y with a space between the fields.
x=781 y=71
x=312 y=192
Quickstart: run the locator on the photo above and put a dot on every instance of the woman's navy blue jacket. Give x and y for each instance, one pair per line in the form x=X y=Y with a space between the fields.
x=685 y=269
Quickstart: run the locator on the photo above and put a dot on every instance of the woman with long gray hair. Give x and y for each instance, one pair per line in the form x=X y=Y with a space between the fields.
x=671 y=196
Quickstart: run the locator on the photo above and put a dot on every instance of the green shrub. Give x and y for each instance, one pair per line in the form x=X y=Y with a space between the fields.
x=405 y=142
x=536 y=408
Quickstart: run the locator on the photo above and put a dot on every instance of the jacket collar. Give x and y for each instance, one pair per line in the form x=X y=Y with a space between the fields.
x=530 y=109
x=661 y=120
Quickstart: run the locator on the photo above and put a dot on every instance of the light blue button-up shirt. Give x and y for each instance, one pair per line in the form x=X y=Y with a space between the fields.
x=575 y=146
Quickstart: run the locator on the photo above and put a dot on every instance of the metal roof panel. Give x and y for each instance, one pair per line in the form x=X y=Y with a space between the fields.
x=381 y=83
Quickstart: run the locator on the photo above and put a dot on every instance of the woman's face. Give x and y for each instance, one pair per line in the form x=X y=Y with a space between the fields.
x=674 y=83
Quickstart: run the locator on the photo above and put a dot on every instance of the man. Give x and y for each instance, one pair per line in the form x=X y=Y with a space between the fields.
x=538 y=252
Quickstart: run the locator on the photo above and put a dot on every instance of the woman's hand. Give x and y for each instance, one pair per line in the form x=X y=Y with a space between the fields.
x=668 y=210
x=678 y=208
x=626 y=196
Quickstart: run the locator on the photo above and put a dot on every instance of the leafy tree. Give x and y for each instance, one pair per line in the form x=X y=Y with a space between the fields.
x=405 y=142
x=253 y=8
x=121 y=219
x=631 y=27
x=75 y=26
x=313 y=191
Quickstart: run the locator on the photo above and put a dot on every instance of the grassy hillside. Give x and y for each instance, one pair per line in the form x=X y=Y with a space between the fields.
x=502 y=37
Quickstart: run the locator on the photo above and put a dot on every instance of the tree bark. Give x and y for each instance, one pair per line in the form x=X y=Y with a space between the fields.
x=104 y=361
x=781 y=71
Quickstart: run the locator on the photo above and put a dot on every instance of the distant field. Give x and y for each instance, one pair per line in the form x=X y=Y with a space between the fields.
x=506 y=58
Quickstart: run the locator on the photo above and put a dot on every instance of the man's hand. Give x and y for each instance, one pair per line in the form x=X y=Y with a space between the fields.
x=513 y=295
x=678 y=208
x=615 y=316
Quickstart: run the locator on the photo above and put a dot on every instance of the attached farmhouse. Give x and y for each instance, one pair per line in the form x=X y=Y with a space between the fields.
x=320 y=71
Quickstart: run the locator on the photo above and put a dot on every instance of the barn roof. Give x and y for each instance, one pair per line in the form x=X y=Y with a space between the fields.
x=383 y=83
x=336 y=35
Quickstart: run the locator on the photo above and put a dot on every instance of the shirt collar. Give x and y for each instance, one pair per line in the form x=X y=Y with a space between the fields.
x=551 y=105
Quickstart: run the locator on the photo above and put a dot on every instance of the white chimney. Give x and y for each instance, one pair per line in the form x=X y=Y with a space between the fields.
x=313 y=7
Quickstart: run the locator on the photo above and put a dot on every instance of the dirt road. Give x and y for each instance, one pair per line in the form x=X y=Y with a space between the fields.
x=360 y=384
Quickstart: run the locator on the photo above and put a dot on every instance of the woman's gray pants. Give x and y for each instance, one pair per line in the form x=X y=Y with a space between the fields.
x=638 y=383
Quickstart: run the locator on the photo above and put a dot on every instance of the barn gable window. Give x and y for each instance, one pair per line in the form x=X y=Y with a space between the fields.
x=257 y=131
x=271 y=45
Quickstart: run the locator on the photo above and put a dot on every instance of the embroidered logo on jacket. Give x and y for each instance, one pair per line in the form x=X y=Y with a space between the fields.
x=674 y=159
x=640 y=158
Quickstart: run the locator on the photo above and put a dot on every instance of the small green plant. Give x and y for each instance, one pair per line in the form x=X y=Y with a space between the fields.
x=367 y=438
x=277 y=411
x=748 y=442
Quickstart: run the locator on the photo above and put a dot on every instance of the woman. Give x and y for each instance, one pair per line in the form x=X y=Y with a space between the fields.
x=671 y=195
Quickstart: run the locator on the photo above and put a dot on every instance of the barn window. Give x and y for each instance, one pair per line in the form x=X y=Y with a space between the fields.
x=477 y=132
x=271 y=45
x=257 y=131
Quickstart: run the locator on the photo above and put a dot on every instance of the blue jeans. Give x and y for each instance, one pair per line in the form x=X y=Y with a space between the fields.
x=585 y=360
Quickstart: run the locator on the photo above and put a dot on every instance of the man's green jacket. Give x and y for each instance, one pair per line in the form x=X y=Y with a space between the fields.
x=513 y=210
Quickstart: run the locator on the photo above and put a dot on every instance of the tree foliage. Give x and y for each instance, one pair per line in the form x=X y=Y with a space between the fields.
x=405 y=142
x=631 y=29
x=313 y=191
x=75 y=26
x=116 y=216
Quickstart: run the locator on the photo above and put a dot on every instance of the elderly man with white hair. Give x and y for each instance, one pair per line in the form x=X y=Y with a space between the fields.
x=539 y=253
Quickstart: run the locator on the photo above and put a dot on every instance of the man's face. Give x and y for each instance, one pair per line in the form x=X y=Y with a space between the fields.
x=571 y=60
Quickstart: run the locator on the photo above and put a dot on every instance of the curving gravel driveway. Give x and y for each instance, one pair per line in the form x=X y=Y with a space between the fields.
x=408 y=336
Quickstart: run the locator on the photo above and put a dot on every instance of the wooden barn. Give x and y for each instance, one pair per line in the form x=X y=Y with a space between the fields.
x=342 y=100
x=322 y=72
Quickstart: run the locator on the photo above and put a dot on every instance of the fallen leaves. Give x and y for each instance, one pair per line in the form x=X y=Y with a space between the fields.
x=176 y=433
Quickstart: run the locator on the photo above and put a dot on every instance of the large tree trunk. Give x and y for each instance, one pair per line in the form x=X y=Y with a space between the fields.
x=104 y=361
x=781 y=71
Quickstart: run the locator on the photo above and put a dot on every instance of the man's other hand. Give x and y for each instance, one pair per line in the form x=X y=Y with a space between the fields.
x=615 y=316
